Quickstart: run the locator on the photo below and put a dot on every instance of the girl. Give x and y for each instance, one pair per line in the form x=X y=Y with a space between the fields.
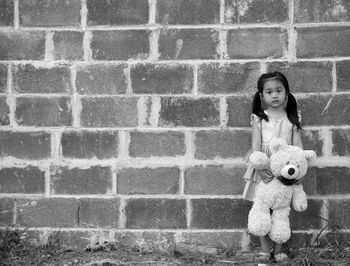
x=278 y=118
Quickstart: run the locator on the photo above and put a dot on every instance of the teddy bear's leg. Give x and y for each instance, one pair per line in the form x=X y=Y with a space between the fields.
x=259 y=219
x=280 y=229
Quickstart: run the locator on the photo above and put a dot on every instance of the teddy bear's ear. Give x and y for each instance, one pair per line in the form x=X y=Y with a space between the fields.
x=309 y=154
x=276 y=143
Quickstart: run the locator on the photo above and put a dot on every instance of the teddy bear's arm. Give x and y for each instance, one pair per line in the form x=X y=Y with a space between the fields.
x=299 y=198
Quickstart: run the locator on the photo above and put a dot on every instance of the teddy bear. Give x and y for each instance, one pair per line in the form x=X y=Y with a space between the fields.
x=288 y=164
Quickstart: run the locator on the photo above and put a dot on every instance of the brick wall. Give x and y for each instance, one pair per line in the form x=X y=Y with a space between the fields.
x=129 y=119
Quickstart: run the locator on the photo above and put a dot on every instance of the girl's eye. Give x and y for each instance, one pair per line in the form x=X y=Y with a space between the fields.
x=287 y=163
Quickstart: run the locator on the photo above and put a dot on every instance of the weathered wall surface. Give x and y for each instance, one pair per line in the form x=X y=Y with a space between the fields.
x=130 y=119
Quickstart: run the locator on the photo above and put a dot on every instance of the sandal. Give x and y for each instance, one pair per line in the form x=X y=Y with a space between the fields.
x=264 y=256
x=280 y=257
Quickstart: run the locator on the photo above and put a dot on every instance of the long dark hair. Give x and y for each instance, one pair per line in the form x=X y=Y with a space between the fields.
x=292 y=106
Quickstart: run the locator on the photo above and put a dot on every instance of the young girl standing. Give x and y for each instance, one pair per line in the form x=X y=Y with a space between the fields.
x=277 y=118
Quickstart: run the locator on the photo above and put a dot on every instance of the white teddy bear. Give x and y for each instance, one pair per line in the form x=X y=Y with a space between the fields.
x=288 y=164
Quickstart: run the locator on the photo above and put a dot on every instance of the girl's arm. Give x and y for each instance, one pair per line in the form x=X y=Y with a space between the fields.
x=297 y=141
x=256 y=136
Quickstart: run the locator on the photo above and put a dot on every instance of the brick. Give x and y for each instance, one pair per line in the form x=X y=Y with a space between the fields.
x=228 y=78
x=117 y=12
x=78 y=240
x=29 y=79
x=333 y=180
x=6 y=211
x=188 y=12
x=298 y=75
x=163 y=79
x=98 y=212
x=301 y=239
x=239 y=111
x=7 y=11
x=68 y=45
x=339 y=213
x=181 y=111
x=219 y=213
x=109 y=112
x=147 y=181
x=75 y=181
x=256 y=43
x=47 y=212
x=188 y=44
x=101 y=79
x=310 y=181
x=43 y=112
x=265 y=11
x=3 y=78
x=49 y=13
x=323 y=42
x=4 y=112
x=148 y=144
x=22 y=45
x=222 y=144
x=155 y=213
x=221 y=240
x=311 y=218
x=341 y=142
x=343 y=75
x=25 y=145
x=85 y=144
x=321 y=11
x=120 y=45
x=325 y=110
x=312 y=141
x=22 y=180
x=214 y=180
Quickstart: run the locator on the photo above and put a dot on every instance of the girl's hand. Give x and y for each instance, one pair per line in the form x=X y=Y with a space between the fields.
x=265 y=175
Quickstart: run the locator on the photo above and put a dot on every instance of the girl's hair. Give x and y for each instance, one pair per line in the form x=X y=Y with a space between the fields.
x=292 y=106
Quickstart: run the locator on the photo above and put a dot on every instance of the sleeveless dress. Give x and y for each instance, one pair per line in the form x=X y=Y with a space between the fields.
x=274 y=128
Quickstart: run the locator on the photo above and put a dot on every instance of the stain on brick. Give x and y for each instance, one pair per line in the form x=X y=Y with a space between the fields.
x=75 y=181
x=159 y=78
x=228 y=78
x=47 y=212
x=219 y=213
x=22 y=45
x=101 y=144
x=188 y=44
x=323 y=42
x=214 y=180
x=99 y=213
x=188 y=12
x=298 y=75
x=343 y=75
x=117 y=12
x=312 y=141
x=29 y=180
x=256 y=43
x=109 y=112
x=148 y=144
x=101 y=79
x=29 y=79
x=4 y=112
x=155 y=213
x=120 y=45
x=44 y=112
x=68 y=45
x=202 y=112
x=25 y=145
x=222 y=144
x=49 y=13
x=147 y=181
x=266 y=11
x=341 y=142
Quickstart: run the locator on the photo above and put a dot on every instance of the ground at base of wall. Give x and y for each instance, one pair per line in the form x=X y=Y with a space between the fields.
x=15 y=250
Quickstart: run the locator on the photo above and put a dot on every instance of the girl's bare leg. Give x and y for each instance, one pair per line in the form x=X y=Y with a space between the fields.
x=265 y=244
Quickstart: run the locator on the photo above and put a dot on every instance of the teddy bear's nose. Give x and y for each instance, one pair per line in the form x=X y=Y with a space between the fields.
x=291 y=171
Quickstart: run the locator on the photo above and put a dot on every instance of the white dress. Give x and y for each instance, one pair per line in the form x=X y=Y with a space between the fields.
x=274 y=128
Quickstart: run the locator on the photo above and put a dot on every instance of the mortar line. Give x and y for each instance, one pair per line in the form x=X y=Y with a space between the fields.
x=195 y=79
x=223 y=112
x=189 y=213
x=75 y=99
x=16 y=15
x=11 y=99
x=182 y=181
x=83 y=15
x=152 y=11
x=49 y=46
x=334 y=77
x=222 y=12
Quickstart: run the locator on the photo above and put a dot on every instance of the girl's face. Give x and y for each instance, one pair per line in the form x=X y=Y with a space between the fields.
x=274 y=93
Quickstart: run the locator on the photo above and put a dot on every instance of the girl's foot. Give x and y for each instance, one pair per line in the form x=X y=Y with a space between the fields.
x=264 y=256
x=281 y=257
